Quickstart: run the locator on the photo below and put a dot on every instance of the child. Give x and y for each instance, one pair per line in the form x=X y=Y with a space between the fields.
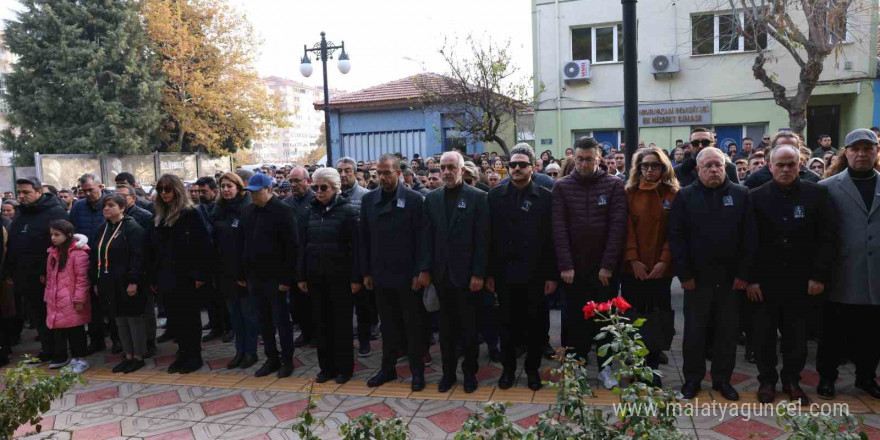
x=67 y=295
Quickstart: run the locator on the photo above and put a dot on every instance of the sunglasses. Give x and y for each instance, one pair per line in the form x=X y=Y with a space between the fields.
x=703 y=142
x=322 y=188
x=164 y=189
x=645 y=166
x=523 y=165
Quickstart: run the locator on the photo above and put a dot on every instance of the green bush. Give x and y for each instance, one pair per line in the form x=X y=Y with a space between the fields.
x=27 y=394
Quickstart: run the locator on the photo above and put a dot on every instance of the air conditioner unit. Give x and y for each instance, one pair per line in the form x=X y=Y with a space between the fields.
x=664 y=66
x=577 y=70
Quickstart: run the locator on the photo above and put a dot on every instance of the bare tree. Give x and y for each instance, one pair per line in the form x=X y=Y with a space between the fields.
x=809 y=30
x=480 y=92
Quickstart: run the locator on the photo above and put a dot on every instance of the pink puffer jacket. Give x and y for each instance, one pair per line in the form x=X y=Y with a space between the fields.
x=68 y=286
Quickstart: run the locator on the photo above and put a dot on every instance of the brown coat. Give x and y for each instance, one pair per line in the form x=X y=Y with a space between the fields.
x=647 y=240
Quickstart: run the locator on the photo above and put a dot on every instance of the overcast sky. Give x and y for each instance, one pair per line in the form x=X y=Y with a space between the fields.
x=378 y=35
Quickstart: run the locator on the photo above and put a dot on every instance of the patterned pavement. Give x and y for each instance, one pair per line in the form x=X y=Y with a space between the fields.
x=216 y=403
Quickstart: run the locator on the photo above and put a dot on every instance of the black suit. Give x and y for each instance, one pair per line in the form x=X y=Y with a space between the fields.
x=522 y=258
x=457 y=246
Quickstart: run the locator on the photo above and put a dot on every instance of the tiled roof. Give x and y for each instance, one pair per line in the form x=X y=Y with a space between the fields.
x=401 y=91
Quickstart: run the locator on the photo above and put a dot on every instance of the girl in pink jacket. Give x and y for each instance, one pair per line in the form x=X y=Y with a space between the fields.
x=67 y=295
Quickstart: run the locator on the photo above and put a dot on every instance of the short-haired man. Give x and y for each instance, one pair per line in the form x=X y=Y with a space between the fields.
x=350 y=189
x=391 y=261
x=853 y=298
x=128 y=178
x=620 y=160
x=686 y=172
x=522 y=268
x=218 y=314
x=792 y=262
x=434 y=180
x=759 y=174
x=742 y=169
x=712 y=238
x=301 y=303
x=67 y=198
x=748 y=147
x=456 y=238
x=824 y=146
x=611 y=164
x=25 y=266
x=589 y=229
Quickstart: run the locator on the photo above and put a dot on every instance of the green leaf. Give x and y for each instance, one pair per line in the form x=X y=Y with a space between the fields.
x=639 y=322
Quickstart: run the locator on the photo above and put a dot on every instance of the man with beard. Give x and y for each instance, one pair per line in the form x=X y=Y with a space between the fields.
x=434 y=180
x=686 y=172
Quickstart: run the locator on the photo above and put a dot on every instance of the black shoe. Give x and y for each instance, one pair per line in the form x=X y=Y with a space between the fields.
x=151 y=350
x=494 y=354
x=342 y=378
x=767 y=393
x=300 y=341
x=268 y=368
x=191 y=365
x=175 y=366
x=727 y=390
x=236 y=361
x=506 y=380
x=796 y=394
x=534 y=380
x=248 y=361
x=870 y=387
x=690 y=389
x=470 y=383
x=323 y=377
x=212 y=335
x=382 y=376
x=364 y=350
x=228 y=337
x=116 y=348
x=134 y=365
x=165 y=337
x=664 y=360
x=96 y=347
x=826 y=389
x=122 y=366
x=446 y=384
x=418 y=381
x=286 y=369
x=549 y=352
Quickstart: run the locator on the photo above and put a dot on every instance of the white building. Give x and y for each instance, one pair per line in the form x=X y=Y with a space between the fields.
x=6 y=61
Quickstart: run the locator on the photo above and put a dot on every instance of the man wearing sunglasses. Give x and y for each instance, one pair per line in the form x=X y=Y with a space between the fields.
x=686 y=172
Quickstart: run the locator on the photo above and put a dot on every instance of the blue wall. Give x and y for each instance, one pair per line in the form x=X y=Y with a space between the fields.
x=876 y=103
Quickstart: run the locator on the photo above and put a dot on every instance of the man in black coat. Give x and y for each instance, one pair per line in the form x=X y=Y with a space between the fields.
x=763 y=176
x=712 y=238
x=25 y=266
x=522 y=268
x=391 y=260
x=792 y=262
x=300 y=304
x=686 y=172
x=456 y=233
x=269 y=255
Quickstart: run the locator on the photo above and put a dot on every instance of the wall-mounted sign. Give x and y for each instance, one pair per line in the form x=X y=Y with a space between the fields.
x=675 y=113
x=546 y=141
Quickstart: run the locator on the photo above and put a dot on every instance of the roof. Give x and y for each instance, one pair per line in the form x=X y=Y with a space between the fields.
x=405 y=91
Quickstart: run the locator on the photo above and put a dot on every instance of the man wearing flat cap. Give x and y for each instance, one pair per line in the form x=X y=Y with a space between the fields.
x=853 y=294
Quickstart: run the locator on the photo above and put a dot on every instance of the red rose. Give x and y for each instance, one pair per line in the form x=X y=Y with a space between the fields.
x=604 y=307
x=621 y=304
x=589 y=310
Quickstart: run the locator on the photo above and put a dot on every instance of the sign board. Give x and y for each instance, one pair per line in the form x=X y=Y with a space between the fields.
x=546 y=141
x=675 y=114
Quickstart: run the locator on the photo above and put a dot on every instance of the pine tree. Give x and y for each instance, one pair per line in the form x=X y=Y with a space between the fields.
x=84 y=81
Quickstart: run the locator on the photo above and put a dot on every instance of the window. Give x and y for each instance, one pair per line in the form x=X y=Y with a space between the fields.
x=600 y=44
x=835 y=22
x=719 y=33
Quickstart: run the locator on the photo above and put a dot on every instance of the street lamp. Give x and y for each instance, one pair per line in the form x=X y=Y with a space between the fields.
x=325 y=50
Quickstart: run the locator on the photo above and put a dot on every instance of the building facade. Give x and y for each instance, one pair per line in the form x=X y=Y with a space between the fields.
x=389 y=118
x=705 y=74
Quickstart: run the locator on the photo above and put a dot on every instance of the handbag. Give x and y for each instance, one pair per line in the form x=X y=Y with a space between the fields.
x=429 y=297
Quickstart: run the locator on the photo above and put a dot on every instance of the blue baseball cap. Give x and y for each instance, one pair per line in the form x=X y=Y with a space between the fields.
x=258 y=182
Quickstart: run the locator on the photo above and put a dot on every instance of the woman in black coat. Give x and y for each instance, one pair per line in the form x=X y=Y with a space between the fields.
x=117 y=272
x=328 y=272
x=178 y=250
x=227 y=238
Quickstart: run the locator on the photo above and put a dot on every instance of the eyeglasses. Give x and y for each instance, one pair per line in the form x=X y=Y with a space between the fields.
x=703 y=142
x=579 y=159
x=164 y=189
x=515 y=165
x=449 y=167
x=645 y=166
x=322 y=188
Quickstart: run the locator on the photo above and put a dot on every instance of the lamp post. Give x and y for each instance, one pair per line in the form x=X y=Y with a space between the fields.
x=630 y=80
x=325 y=49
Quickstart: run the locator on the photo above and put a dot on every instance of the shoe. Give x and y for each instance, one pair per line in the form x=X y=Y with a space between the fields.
x=236 y=361
x=79 y=366
x=506 y=380
x=869 y=386
x=664 y=360
x=826 y=389
x=286 y=369
x=323 y=377
x=151 y=350
x=228 y=337
x=690 y=389
x=212 y=335
x=249 y=360
x=271 y=366
x=795 y=392
x=470 y=383
x=494 y=354
x=533 y=380
x=175 y=366
x=607 y=378
x=116 y=348
x=165 y=337
x=122 y=366
x=446 y=383
x=191 y=366
x=134 y=365
x=727 y=390
x=418 y=381
x=96 y=347
x=549 y=352
x=767 y=392
x=55 y=365
x=364 y=350
x=342 y=378
x=381 y=377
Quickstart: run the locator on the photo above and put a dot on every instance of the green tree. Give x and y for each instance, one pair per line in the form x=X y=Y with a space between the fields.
x=83 y=81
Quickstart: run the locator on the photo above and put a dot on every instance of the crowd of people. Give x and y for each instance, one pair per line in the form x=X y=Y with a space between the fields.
x=476 y=246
